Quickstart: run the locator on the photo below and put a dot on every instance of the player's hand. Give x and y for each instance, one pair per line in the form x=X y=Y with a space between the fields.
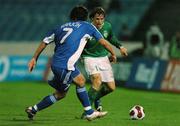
x=32 y=64
x=123 y=51
x=112 y=58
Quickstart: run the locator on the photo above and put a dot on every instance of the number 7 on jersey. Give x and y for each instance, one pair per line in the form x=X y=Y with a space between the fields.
x=69 y=31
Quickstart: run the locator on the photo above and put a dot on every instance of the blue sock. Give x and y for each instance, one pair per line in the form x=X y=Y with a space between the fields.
x=46 y=102
x=83 y=97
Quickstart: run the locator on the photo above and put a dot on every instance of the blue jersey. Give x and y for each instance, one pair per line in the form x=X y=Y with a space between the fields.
x=70 y=40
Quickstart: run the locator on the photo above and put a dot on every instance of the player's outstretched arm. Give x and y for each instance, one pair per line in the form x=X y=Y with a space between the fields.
x=114 y=41
x=32 y=62
x=105 y=43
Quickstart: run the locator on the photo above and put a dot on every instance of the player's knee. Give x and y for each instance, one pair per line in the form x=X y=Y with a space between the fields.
x=81 y=82
x=96 y=80
x=59 y=95
x=96 y=86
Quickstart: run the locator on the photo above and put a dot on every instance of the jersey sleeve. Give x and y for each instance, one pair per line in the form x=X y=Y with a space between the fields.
x=96 y=34
x=113 y=39
x=50 y=36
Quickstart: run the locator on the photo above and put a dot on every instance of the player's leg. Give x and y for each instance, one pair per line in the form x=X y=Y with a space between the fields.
x=81 y=92
x=98 y=105
x=107 y=78
x=105 y=89
x=59 y=83
x=44 y=103
x=95 y=87
x=92 y=69
x=49 y=100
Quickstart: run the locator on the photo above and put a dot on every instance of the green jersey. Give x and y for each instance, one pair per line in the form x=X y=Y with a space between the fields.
x=95 y=49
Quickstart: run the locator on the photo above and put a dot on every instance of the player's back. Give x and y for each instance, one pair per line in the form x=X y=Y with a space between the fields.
x=70 y=39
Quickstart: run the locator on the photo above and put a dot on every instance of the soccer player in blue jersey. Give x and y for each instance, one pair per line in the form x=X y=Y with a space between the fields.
x=69 y=39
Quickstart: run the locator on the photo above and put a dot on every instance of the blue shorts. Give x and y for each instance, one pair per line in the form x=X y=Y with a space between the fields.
x=62 y=78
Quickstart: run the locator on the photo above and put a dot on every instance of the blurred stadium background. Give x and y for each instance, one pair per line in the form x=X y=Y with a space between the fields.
x=149 y=29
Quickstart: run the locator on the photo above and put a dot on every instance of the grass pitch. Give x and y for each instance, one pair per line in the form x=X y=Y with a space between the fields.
x=161 y=109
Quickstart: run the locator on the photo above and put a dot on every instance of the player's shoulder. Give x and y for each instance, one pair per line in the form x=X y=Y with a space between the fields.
x=88 y=24
x=85 y=24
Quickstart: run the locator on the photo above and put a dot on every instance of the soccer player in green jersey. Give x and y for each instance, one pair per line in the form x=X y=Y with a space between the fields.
x=96 y=61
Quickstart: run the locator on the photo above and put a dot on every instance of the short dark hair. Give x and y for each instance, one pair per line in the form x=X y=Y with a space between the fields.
x=79 y=12
x=97 y=10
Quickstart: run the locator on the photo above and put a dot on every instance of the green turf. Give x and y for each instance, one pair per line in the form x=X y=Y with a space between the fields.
x=162 y=109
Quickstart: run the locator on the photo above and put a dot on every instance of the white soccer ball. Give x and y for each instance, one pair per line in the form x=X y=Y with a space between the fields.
x=137 y=112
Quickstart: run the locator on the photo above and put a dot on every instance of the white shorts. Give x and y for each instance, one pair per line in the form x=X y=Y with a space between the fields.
x=94 y=65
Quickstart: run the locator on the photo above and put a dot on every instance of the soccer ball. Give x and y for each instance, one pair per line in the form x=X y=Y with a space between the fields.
x=137 y=112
